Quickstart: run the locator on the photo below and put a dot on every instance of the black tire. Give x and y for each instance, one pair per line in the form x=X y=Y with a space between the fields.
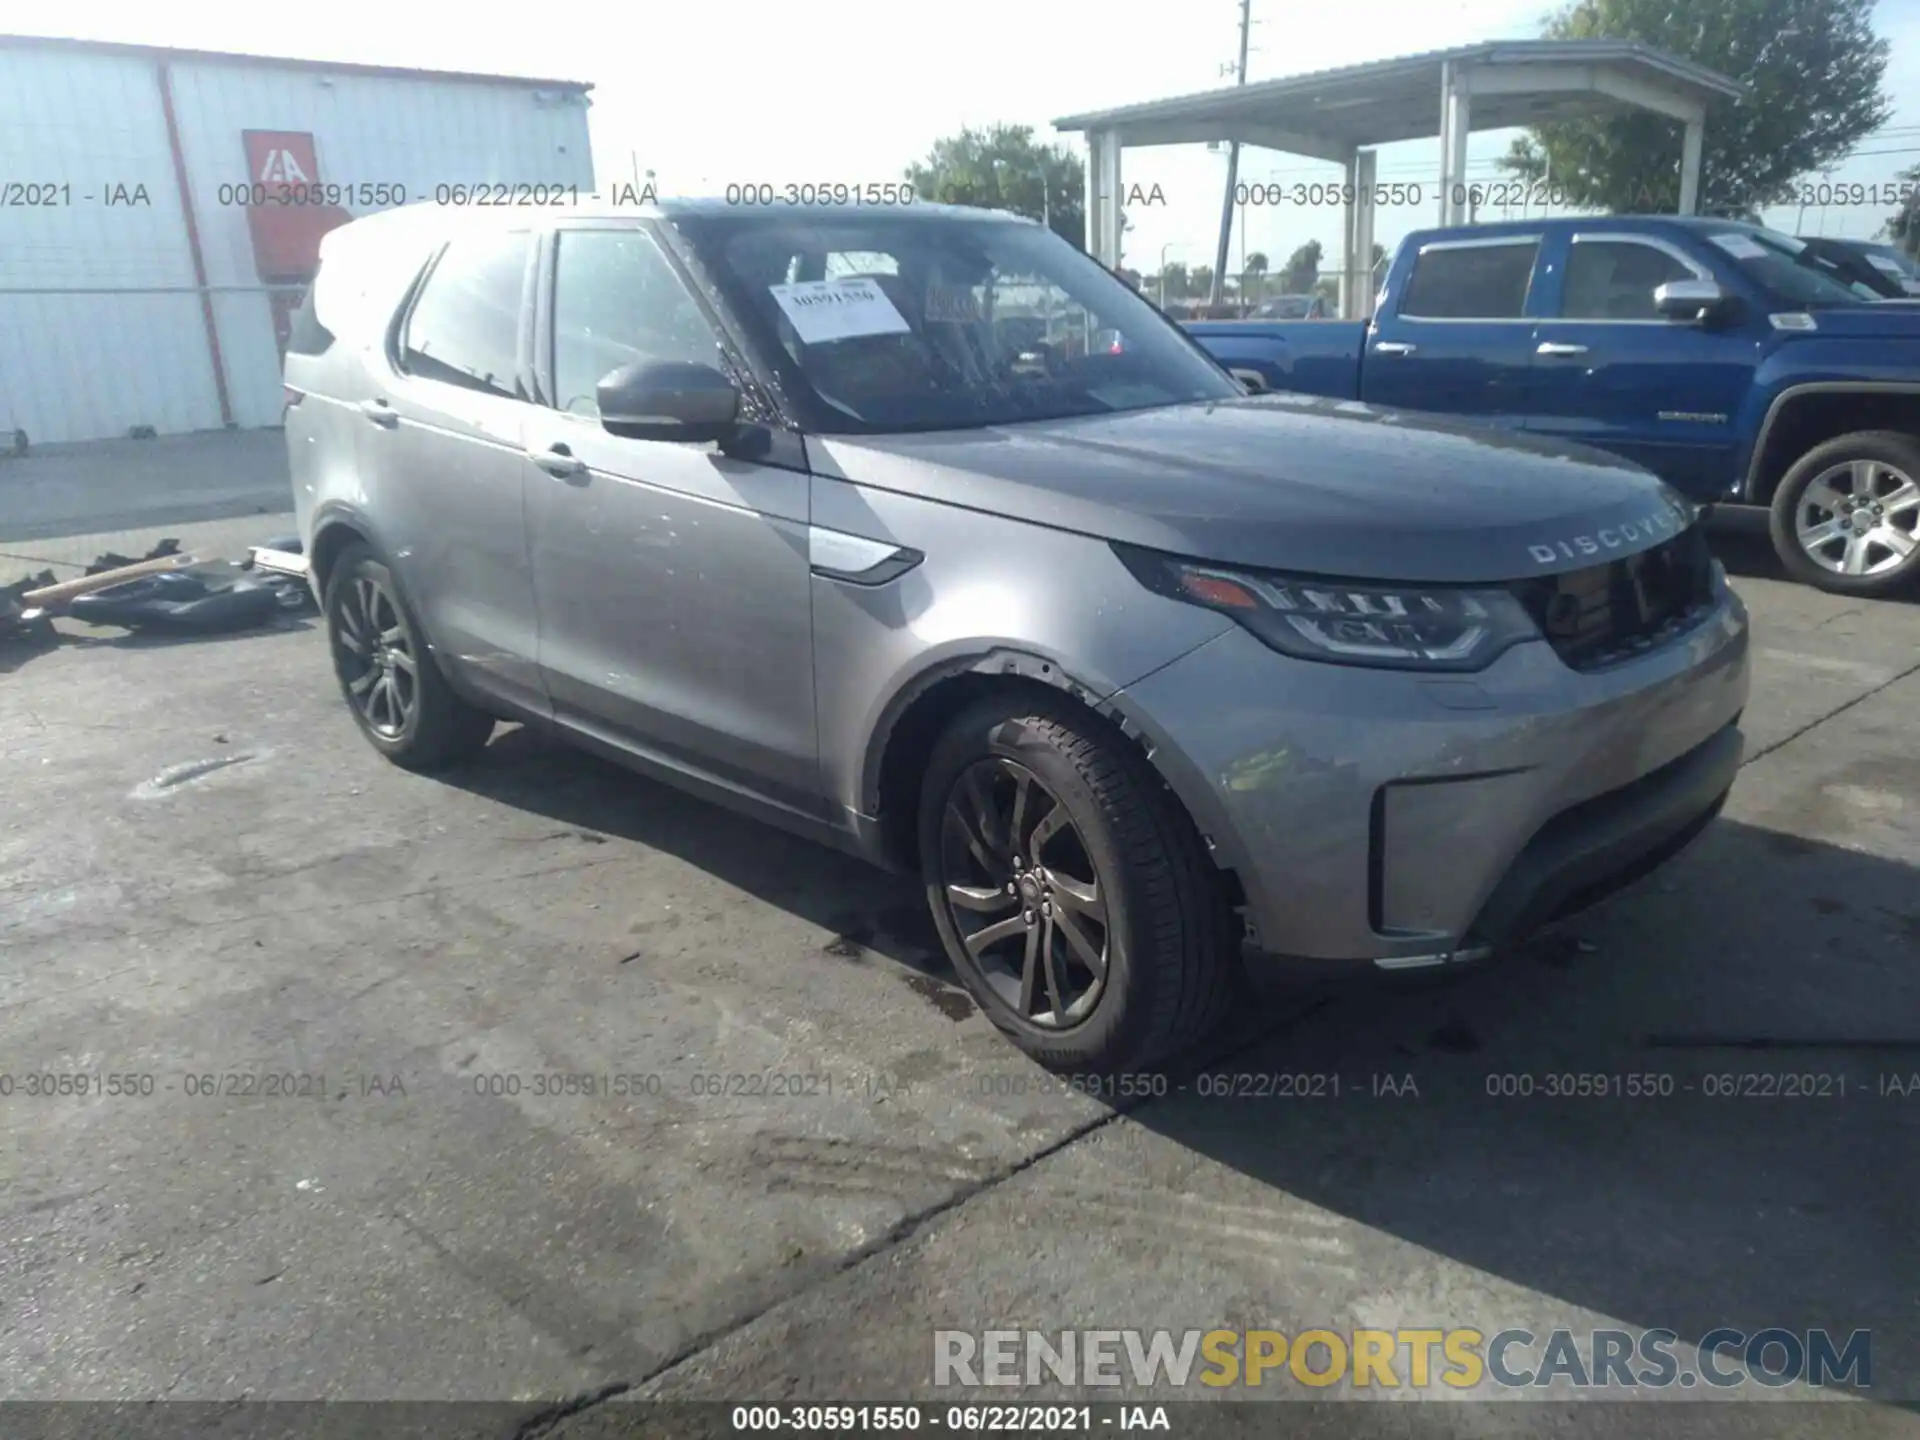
x=1894 y=459
x=1171 y=968
x=427 y=727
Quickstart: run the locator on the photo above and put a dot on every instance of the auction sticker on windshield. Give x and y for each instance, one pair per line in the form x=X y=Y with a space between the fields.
x=1740 y=247
x=824 y=310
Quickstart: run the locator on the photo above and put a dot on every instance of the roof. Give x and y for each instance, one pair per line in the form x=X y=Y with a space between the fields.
x=1590 y=224
x=278 y=62
x=446 y=219
x=703 y=206
x=1398 y=99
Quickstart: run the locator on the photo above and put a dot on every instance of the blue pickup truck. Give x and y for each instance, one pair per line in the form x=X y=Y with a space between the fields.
x=1723 y=357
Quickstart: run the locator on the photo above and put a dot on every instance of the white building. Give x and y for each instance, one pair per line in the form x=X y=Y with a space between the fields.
x=159 y=211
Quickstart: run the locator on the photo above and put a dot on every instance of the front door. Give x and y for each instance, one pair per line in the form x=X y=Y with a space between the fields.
x=674 y=591
x=442 y=454
x=1610 y=371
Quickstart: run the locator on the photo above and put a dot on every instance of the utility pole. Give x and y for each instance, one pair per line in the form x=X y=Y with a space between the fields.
x=1233 y=170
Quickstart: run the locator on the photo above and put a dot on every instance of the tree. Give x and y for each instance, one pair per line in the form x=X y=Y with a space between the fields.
x=1174 y=281
x=1814 y=68
x=1201 y=280
x=1004 y=168
x=1302 y=269
x=1903 y=226
x=1255 y=268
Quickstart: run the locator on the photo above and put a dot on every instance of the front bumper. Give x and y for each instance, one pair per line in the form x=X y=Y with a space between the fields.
x=1410 y=819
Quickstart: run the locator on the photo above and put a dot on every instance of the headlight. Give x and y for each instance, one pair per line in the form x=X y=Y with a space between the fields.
x=1398 y=627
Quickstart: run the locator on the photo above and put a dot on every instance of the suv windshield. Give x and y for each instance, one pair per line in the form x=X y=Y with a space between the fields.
x=885 y=323
x=1786 y=269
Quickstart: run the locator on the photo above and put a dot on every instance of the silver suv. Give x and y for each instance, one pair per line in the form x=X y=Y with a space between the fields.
x=916 y=531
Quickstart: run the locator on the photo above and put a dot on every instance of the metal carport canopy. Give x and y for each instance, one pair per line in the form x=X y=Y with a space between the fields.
x=1335 y=115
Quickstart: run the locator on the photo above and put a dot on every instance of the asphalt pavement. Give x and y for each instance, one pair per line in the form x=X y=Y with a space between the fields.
x=544 y=1083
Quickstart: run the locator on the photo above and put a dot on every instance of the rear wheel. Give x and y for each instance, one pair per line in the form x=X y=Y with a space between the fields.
x=395 y=690
x=1847 y=515
x=1070 y=890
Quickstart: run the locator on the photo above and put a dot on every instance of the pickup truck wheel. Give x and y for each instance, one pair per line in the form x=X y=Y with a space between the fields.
x=392 y=685
x=1070 y=890
x=1847 y=515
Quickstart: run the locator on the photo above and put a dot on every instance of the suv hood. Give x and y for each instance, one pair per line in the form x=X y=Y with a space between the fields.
x=1289 y=482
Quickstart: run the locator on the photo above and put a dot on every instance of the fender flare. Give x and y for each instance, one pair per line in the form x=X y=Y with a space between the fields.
x=340 y=514
x=993 y=660
x=1750 y=485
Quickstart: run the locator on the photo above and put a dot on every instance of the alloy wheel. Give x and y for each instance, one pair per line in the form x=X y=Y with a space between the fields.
x=1024 y=894
x=1859 y=518
x=375 y=656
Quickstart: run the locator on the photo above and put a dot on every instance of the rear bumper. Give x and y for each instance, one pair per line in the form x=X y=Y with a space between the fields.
x=1403 y=820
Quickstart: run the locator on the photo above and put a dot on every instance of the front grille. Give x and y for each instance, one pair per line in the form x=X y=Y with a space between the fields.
x=1608 y=613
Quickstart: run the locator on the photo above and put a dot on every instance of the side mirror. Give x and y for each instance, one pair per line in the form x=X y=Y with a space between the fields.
x=1690 y=299
x=668 y=400
x=1252 y=381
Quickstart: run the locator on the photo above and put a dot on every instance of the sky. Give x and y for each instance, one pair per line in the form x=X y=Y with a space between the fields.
x=851 y=91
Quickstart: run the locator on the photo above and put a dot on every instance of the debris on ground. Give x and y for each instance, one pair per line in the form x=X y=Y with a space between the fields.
x=20 y=624
x=162 y=590
x=282 y=564
x=56 y=598
x=166 y=549
x=196 y=599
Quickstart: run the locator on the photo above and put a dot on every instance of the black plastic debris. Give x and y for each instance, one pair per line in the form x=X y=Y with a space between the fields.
x=281 y=564
x=196 y=600
x=22 y=626
x=115 y=561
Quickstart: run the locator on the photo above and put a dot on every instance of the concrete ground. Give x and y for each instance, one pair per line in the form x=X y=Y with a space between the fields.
x=207 y=878
x=216 y=492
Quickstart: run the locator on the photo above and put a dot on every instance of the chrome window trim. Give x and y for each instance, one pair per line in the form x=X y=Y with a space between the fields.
x=1483 y=242
x=1624 y=237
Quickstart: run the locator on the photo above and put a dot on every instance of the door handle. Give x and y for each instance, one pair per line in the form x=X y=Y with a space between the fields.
x=380 y=413
x=559 y=461
x=1392 y=347
x=1555 y=347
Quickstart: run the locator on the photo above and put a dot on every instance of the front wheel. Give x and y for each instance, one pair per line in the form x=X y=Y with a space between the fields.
x=1070 y=890
x=1847 y=515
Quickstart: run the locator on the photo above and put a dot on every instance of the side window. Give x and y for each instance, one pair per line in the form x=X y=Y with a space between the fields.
x=1471 y=282
x=1615 y=280
x=306 y=335
x=616 y=300
x=465 y=326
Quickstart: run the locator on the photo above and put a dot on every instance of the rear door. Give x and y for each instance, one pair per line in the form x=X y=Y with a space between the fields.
x=443 y=465
x=1458 y=338
x=1609 y=370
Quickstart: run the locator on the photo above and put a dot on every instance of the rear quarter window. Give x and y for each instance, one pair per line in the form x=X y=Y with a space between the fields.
x=306 y=334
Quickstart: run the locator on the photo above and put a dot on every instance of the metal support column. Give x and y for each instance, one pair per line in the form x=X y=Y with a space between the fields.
x=1349 y=216
x=1455 y=124
x=1690 y=166
x=1365 y=170
x=1103 y=197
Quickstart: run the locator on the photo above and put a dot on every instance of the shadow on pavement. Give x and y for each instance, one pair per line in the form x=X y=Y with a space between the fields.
x=1752 y=557
x=1768 y=1006
x=1763 y=990
x=869 y=911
